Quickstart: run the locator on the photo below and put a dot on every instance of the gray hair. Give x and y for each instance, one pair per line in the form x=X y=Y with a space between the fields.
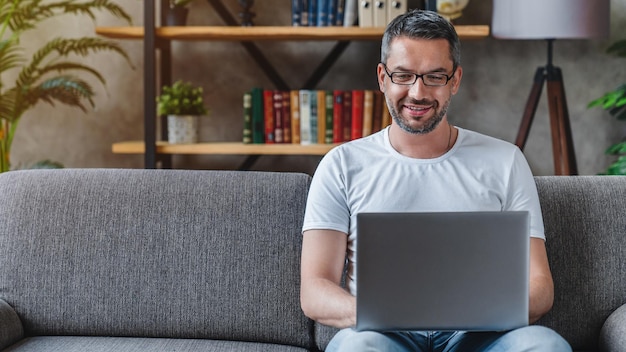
x=425 y=25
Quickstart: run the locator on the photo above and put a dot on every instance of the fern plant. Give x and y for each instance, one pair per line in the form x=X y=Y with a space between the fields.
x=50 y=75
x=615 y=103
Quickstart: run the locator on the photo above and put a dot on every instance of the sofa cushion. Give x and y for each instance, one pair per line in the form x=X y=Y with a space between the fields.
x=154 y=253
x=10 y=325
x=586 y=231
x=613 y=333
x=117 y=344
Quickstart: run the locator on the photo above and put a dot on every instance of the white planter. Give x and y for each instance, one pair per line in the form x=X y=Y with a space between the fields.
x=182 y=129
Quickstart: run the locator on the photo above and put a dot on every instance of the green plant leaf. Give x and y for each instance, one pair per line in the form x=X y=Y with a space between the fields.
x=181 y=98
x=618 y=48
x=618 y=167
x=616 y=149
x=61 y=47
x=68 y=90
x=7 y=106
x=71 y=66
x=610 y=99
x=47 y=164
x=619 y=113
x=30 y=12
x=10 y=55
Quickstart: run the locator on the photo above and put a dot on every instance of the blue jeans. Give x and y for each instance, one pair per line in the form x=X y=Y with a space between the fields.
x=530 y=338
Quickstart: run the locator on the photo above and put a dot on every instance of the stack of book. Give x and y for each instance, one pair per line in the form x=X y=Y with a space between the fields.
x=312 y=116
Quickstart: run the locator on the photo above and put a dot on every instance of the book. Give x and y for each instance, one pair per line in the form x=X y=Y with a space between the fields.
x=328 y=130
x=321 y=116
x=377 y=116
x=366 y=13
x=304 y=14
x=268 y=115
x=286 y=117
x=313 y=12
x=386 y=116
x=322 y=13
x=313 y=120
x=350 y=13
x=379 y=13
x=395 y=8
x=332 y=12
x=258 y=117
x=278 y=116
x=247 y=117
x=430 y=5
x=357 y=114
x=294 y=102
x=296 y=12
x=347 y=115
x=339 y=12
x=305 y=116
x=337 y=116
x=368 y=113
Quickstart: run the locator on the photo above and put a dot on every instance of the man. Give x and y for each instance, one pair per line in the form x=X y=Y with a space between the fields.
x=419 y=163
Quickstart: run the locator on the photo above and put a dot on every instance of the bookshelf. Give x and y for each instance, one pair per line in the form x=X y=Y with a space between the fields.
x=159 y=39
x=225 y=148
x=275 y=33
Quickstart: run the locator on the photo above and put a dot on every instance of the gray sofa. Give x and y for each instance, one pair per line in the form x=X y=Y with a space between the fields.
x=173 y=260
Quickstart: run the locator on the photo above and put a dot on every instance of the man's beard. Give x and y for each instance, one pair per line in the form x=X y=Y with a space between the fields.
x=428 y=126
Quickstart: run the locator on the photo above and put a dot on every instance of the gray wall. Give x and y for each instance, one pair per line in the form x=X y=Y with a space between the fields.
x=497 y=79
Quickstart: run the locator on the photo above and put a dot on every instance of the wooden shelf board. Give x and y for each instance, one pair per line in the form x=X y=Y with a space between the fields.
x=232 y=33
x=224 y=148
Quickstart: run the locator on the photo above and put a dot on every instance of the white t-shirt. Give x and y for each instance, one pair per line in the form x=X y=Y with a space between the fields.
x=479 y=173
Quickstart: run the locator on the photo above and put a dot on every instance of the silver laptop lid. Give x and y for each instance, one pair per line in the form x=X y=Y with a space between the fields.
x=442 y=271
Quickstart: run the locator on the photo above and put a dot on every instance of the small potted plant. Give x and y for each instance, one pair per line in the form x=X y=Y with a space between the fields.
x=183 y=104
x=177 y=12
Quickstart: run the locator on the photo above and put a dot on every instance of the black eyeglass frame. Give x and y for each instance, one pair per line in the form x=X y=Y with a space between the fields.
x=418 y=76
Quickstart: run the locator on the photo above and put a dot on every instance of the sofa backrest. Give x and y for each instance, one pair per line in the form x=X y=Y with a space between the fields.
x=585 y=223
x=155 y=253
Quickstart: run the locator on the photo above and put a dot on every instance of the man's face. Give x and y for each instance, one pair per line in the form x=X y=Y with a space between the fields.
x=418 y=108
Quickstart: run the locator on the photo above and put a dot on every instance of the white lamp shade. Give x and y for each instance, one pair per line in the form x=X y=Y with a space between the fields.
x=550 y=19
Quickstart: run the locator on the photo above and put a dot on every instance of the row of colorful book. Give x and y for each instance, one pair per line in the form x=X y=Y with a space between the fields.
x=312 y=116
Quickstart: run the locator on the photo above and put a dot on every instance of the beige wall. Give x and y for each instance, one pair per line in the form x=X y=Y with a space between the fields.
x=496 y=83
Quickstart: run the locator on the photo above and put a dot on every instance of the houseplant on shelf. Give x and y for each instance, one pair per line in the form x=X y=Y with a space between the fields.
x=615 y=103
x=183 y=104
x=50 y=74
x=177 y=13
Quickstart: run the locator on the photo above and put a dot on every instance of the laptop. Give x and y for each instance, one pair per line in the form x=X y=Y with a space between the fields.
x=442 y=271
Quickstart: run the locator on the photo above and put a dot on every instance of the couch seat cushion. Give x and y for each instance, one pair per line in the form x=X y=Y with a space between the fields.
x=131 y=344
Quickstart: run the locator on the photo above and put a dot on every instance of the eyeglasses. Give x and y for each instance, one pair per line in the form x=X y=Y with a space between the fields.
x=409 y=78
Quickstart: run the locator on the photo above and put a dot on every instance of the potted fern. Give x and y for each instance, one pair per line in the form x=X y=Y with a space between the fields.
x=51 y=74
x=615 y=103
x=183 y=104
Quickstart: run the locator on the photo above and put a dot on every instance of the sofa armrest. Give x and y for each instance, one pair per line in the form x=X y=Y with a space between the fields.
x=613 y=332
x=11 y=329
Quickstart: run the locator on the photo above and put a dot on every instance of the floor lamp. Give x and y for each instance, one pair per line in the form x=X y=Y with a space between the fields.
x=549 y=20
